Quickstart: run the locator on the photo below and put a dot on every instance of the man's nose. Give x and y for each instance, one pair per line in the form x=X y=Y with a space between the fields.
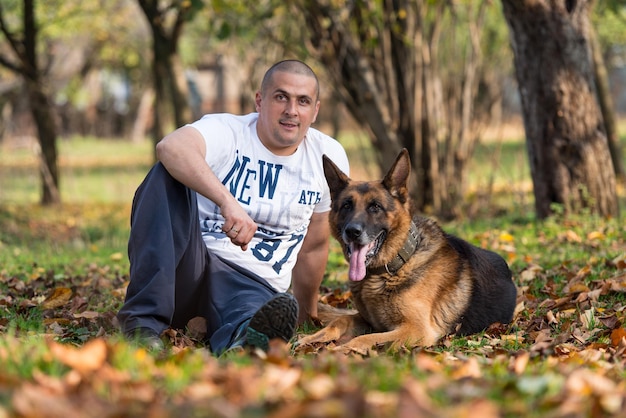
x=291 y=107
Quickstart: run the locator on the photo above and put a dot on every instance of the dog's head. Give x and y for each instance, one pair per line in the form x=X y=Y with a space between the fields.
x=369 y=219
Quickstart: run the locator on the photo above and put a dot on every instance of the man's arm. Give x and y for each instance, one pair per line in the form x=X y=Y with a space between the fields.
x=308 y=272
x=183 y=154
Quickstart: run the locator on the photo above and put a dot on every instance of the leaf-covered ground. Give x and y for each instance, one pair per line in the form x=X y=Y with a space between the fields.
x=63 y=276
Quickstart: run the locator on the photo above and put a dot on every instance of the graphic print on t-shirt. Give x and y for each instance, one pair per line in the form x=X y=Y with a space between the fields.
x=280 y=193
x=241 y=175
x=279 y=198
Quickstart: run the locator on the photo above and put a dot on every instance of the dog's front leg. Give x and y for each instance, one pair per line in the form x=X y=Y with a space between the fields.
x=342 y=327
x=400 y=336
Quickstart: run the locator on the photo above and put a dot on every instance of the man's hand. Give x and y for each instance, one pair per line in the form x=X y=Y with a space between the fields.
x=238 y=226
x=183 y=154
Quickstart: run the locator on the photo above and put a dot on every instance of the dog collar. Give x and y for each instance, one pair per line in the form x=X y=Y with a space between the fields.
x=403 y=255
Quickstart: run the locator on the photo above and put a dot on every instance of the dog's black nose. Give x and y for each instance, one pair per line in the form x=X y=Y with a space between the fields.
x=354 y=231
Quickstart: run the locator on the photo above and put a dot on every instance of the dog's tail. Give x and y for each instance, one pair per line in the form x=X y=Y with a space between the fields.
x=327 y=313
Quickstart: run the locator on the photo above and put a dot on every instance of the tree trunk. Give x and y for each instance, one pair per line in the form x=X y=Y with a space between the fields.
x=24 y=47
x=566 y=141
x=383 y=59
x=46 y=134
x=159 y=74
x=169 y=82
x=607 y=108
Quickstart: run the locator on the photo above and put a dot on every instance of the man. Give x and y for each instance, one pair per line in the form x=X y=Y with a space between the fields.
x=236 y=208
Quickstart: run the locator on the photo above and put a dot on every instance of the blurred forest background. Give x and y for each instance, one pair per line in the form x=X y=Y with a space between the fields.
x=437 y=77
x=514 y=114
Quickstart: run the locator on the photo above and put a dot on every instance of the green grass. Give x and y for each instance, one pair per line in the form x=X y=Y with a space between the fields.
x=81 y=246
x=91 y=170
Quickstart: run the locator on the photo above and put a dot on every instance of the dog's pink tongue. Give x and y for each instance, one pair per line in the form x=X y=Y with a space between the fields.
x=357 y=262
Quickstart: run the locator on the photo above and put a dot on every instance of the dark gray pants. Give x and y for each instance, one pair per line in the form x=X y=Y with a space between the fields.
x=173 y=278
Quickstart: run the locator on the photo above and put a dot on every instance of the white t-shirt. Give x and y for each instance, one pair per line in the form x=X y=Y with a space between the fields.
x=279 y=193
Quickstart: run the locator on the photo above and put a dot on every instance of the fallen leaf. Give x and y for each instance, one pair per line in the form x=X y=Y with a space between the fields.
x=619 y=261
x=59 y=297
x=85 y=359
x=551 y=318
x=279 y=381
x=512 y=337
x=595 y=235
x=618 y=283
x=318 y=387
x=530 y=272
x=414 y=401
x=578 y=288
x=34 y=400
x=617 y=336
x=520 y=362
x=585 y=382
x=469 y=369
x=116 y=256
x=427 y=363
x=479 y=408
x=201 y=390
x=87 y=314
x=506 y=237
x=587 y=318
x=570 y=236
x=278 y=352
x=610 y=321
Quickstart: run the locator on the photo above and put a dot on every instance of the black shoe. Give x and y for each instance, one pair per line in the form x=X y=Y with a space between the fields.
x=146 y=337
x=277 y=318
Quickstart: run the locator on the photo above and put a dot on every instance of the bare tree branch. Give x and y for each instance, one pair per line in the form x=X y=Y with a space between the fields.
x=10 y=65
x=16 y=45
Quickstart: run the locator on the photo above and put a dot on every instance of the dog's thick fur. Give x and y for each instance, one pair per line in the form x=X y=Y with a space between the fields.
x=447 y=285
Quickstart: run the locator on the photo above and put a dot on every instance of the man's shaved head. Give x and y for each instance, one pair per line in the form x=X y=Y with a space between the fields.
x=289 y=66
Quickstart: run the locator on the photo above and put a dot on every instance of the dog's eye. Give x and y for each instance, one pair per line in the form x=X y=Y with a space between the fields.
x=346 y=205
x=374 y=207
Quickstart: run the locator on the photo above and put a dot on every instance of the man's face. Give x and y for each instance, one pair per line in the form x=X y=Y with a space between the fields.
x=286 y=110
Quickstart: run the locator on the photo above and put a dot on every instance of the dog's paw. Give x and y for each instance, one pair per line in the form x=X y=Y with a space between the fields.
x=319 y=340
x=319 y=337
x=352 y=349
x=347 y=349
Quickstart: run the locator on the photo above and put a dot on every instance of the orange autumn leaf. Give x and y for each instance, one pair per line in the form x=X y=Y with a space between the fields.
x=469 y=369
x=617 y=335
x=59 y=297
x=571 y=236
x=618 y=283
x=85 y=359
x=578 y=288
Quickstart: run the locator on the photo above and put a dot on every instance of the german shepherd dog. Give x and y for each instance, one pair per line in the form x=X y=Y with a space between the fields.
x=411 y=282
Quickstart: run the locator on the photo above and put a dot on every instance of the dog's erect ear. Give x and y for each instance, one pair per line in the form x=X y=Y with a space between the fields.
x=397 y=178
x=336 y=179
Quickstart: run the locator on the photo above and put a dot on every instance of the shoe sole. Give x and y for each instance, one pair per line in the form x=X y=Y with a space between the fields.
x=277 y=318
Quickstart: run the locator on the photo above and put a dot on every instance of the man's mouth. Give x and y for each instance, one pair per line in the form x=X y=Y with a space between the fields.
x=359 y=257
x=289 y=124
